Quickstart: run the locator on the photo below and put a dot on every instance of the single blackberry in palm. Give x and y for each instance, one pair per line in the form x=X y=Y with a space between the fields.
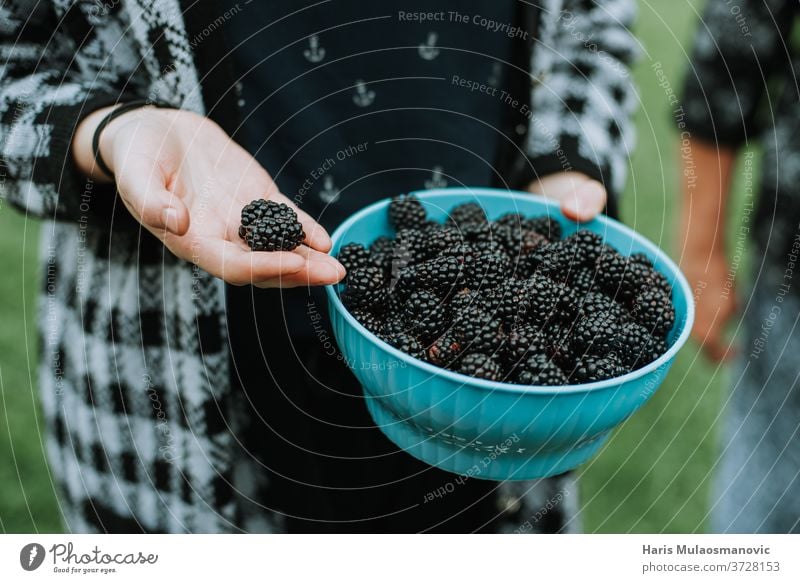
x=267 y=225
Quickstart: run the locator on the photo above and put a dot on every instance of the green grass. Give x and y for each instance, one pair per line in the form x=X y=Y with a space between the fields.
x=654 y=474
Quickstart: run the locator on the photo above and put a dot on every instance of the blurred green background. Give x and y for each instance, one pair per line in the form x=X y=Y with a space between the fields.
x=653 y=476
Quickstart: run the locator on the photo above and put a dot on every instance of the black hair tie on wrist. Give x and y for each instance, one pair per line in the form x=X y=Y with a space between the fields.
x=111 y=116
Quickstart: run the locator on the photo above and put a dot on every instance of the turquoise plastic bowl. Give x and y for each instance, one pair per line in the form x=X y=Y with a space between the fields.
x=486 y=429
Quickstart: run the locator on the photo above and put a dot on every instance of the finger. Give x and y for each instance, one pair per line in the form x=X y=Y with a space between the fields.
x=585 y=202
x=142 y=185
x=316 y=235
x=233 y=264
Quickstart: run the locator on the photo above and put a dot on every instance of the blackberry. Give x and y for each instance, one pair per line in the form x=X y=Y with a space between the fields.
x=547 y=226
x=369 y=320
x=479 y=331
x=425 y=315
x=406 y=212
x=642 y=259
x=381 y=245
x=583 y=281
x=354 y=256
x=392 y=326
x=516 y=241
x=469 y=213
x=559 y=345
x=595 y=334
x=510 y=302
x=481 y=366
x=442 y=239
x=408 y=344
x=620 y=277
x=592 y=368
x=542 y=299
x=445 y=350
x=654 y=310
x=443 y=274
x=659 y=281
x=382 y=253
x=270 y=226
x=410 y=247
x=556 y=260
x=522 y=342
x=594 y=303
x=464 y=300
x=588 y=246
x=539 y=369
x=366 y=288
x=514 y=220
x=485 y=270
x=636 y=347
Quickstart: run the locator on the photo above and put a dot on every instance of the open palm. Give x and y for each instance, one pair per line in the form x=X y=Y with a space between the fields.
x=186 y=181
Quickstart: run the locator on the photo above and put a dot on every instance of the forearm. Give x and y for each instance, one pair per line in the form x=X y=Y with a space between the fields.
x=705 y=185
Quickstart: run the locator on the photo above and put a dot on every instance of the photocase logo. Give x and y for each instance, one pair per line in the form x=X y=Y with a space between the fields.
x=31 y=556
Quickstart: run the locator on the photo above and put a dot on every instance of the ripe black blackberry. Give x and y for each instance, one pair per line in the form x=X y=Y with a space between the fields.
x=654 y=310
x=366 y=288
x=406 y=212
x=510 y=302
x=539 y=369
x=559 y=344
x=270 y=226
x=642 y=259
x=479 y=331
x=408 y=344
x=425 y=315
x=596 y=334
x=410 y=247
x=516 y=241
x=636 y=347
x=594 y=303
x=590 y=368
x=542 y=300
x=482 y=366
x=392 y=326
x=485 y=270
x=588 y=245
x=369 y=320
x=354 y=256
x=469 y=213
x=620 y=277
x=583 y=281
x=442 y=275
x=558 y=260
x=381 y=253
x=547 y=226
x=523 y=341
x=445 y=350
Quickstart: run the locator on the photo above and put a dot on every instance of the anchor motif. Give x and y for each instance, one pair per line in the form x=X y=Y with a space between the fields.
x=363 y=97
x=428 y=49
x=314 y=53
x=436 y=180
x=329 y=192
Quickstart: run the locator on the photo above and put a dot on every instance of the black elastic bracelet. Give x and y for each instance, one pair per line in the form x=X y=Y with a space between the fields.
x=111 y=116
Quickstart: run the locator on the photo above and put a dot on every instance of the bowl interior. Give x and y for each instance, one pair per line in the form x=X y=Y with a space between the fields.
x=372 y=222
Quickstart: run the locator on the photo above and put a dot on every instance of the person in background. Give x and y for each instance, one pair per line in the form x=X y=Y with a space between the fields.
x=184 y=383
x=741 y=91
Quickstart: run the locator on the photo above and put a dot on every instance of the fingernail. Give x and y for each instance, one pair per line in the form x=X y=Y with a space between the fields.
x=170 y=218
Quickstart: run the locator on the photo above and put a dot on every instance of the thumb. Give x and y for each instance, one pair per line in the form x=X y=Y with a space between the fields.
x=142 y=185
x=585 y=202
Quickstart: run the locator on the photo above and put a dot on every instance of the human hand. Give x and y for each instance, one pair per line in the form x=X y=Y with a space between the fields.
x=186 y=181
x=581 y=197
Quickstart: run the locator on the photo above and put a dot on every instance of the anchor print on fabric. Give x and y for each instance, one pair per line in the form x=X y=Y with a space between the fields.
x=428 y=50
x=437 y=179
x=363 y=97
x=329 y=192
x=314 y=53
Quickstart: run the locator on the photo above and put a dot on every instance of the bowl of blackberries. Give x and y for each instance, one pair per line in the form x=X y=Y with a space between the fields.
x=496 y=338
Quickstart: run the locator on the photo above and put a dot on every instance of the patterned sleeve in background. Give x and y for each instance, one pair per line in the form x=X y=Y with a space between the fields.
x=736 y=50
x=48 y=84
x=584 y=96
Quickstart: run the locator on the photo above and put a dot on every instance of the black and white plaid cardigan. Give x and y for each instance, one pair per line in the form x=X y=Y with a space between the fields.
x=134 y=376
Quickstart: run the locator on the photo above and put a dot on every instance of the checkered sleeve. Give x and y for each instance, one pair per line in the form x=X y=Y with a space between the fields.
x=47 y=86
x=737 y=48
x=583 y=95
